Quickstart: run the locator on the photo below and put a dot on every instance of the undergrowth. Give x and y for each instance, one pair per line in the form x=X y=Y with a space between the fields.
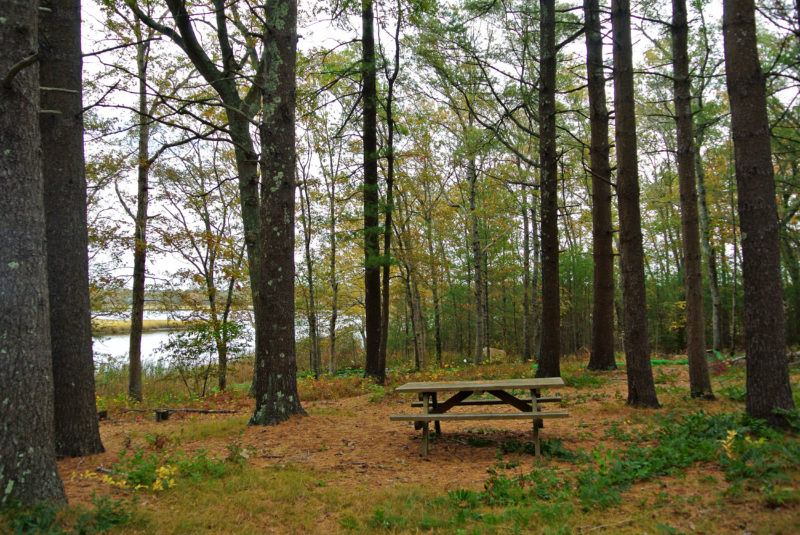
x=44 y=519
x=753 y=457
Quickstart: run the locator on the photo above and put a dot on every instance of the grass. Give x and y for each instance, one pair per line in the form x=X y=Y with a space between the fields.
x=619 y=469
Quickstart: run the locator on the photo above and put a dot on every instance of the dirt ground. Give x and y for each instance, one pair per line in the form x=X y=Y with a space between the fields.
x=354 y=439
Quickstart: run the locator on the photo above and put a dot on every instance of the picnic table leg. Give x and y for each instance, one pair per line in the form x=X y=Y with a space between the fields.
x=426 y=399
x=436 y=425
x=537 y=423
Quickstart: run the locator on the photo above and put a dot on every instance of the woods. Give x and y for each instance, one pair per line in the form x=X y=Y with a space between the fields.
x=392 y=187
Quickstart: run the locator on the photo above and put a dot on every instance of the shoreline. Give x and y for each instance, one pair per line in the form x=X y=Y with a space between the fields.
x=104 y=327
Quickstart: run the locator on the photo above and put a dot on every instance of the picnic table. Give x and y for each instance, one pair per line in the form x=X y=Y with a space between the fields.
x=460 y=392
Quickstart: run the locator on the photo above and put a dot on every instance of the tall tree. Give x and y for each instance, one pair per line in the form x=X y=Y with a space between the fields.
x=602 y=352
x=641 y=387
x=306 y=222
x=140 y=218
x=768 y=386
x=699 y=379
x=477 y=265
x=275 y=382
x=550 y=357
x=27 y=449
x=374 y=368
x=76 y=426
x=391 y=78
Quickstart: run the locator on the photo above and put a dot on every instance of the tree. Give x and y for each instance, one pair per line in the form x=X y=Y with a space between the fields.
x=641 y=387
x=602 y=352
x=199 y=224
x=267 y=213
x=374 y=368
x=699 y=379
x=549 y=360
x=27 y=442
x=306 y=222
x=388 y=105
x=76 y=427
x=768 y=385
x=276 y=390
x=140 y=218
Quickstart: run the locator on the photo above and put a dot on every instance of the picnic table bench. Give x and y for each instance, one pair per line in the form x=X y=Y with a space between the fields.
x=435 y=411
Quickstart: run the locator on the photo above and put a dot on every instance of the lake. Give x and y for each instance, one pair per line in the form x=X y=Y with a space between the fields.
x=116 y=345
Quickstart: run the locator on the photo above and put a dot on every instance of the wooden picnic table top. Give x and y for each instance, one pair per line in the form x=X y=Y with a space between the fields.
x=484 y=385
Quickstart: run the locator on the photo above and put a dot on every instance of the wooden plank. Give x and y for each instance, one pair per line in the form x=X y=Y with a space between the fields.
x=479 y=416
x=481 y=386
x=512 y=400
x=455 y=399
x=466 y=402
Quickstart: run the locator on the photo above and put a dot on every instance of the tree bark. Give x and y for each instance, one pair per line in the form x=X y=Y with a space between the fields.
x=76 y=427
x=332 y=278
x=276 y=378
x=437 y=321
x=699 y=379
x=311 y=313
x=475 y=237
x=768 y=385
x=372 y=231
x=140 y=228
x=550 y=358
x=641 y=387
x=709 y=253
x=536 y=309
x=389 y=207
x=526 y=280
x=602 y=352
x=29 y=472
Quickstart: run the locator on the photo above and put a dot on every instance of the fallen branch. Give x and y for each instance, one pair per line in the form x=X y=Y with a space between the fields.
x=587 y=529
x=167 y=409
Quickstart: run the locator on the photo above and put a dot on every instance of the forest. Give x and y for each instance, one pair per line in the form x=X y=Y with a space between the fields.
x=328 y=199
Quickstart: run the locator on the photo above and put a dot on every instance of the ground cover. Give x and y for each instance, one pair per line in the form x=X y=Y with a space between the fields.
x=690 y=467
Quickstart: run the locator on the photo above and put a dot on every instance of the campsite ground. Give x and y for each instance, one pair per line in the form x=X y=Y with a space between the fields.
x=345 y=468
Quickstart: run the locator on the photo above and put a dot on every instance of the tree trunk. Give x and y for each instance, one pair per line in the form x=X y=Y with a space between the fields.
x=372 y=231
x=549 y=360
x=76 y=428
x=333 y=282
x=418 y=320
x=29 y=472
x=602 y=352
x=526 y=280
x=437 y=322
x=276 y=380
x=709 y=253
x=140 y=230
x=699 y=379
x=389 y=208
x=536 y=309
x=768 y=386
x=480 y=324
x=641 y=387
x=311 y=312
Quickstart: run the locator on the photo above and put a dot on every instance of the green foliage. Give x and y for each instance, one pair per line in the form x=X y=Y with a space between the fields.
x=552 y=447
x=155 y=467
x=192 y=353
x=583 y=379
x=44 y=519
x=733 y=392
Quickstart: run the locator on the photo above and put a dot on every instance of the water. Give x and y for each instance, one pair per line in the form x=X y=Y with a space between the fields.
x=116 y=346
